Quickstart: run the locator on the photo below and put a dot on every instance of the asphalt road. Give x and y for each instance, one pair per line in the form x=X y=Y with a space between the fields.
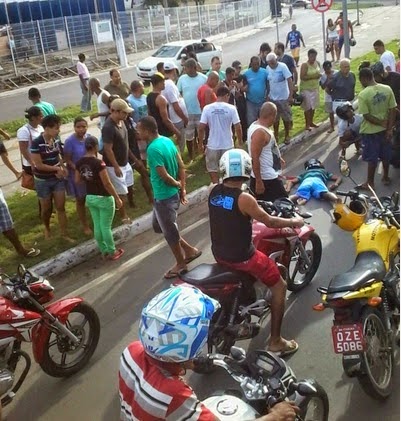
x=383 y=22
x=119 y=291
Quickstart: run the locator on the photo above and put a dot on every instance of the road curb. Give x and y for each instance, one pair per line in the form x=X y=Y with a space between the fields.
x=76 y=255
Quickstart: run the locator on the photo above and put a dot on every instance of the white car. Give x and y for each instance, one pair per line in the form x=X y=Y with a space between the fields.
x=172 y=52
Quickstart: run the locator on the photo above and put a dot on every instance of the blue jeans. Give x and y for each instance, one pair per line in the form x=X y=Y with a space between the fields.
x=252 y=111
x=86 y=104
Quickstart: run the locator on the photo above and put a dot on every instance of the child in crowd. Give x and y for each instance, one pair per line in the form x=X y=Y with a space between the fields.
x=312 y=183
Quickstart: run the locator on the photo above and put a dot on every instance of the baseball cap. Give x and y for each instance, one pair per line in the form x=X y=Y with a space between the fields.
x=120 y=105
x=169 y=66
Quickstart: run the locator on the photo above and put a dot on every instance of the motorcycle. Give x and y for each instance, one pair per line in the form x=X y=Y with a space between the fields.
x=265 y=380
x=64 y=334
x=240 y=295
x=366 y=298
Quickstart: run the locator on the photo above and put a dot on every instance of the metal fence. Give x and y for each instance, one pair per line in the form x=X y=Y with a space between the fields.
x=39 y=49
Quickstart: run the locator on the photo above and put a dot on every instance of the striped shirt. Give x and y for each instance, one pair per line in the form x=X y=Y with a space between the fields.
x=50 y=155
x=148 y=392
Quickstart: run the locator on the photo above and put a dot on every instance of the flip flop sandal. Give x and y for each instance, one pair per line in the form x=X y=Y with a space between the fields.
x=33 y=253
x=290 y=348
x=171 y=274
x=195 y=256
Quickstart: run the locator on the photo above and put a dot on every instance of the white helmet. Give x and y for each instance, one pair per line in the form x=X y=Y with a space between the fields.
x=174 y=325
x=235 y=163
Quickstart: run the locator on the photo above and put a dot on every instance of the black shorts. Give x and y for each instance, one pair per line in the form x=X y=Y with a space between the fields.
x=274 y=189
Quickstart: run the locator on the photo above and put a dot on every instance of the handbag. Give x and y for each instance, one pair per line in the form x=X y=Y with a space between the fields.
x=27 y=181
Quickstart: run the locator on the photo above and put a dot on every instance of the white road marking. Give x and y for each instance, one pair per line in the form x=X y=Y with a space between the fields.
x=129 y=264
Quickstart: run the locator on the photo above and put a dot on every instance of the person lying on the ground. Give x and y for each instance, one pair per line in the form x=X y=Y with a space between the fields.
x=313 y=183
x=349 y=124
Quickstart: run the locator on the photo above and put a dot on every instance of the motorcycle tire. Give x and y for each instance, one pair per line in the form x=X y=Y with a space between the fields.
x=378 y=388
x=54 y=369
x=316 y=254
x=315 y=407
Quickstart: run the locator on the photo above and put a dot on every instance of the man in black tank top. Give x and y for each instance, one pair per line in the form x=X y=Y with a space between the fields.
x=158 y=108
x=230 y=213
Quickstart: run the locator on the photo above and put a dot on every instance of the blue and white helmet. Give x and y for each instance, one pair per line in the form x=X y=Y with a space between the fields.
x=235 y=163
x=174 y=325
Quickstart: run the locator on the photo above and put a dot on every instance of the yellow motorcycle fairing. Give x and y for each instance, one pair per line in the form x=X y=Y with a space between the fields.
x=369 y=291
x=374 y=235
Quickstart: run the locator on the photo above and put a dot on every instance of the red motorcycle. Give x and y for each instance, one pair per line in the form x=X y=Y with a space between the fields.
x=297 y=252
x=64 y=334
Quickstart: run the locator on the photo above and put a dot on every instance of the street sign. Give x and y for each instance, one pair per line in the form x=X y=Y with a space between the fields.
x=322 y=5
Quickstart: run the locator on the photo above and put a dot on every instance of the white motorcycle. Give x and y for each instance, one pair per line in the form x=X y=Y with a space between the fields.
x=265 y=380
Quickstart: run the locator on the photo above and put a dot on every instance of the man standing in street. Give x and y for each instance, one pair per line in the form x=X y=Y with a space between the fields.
x=116 y=86
x=101 y=101
x=176 y=105
x=281 y=94
x=266 y=159
x=219 y=116
x=294 y=38
x=83 y=74
x=256 y=88
x=216 y=67
x=341 y=87
x=378 y=106
x=158 y=108
x=188 y=85
x=386 y=56
x=167 y=176
x=116 y=152
x=46 y=107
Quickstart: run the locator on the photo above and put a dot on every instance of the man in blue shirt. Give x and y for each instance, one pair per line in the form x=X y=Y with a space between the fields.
x=256 y=88
x=294 y=38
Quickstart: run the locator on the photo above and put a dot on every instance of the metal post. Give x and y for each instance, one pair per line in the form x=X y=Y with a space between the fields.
x=200 y=20
x=346 y=32
x=41 y=45
x=324 y=38
x=225 y=17
x=209 y=23
x=133 y=31
x=357 y=13
x=275 y=13
x=189 y=22
x=151 y=30
x=67 y=33
x=94 y=41
x=235 y=13
x=12 y=50
x=217 y=19
x=178 y=24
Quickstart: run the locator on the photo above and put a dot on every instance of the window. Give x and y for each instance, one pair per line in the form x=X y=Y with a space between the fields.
x=167 y=51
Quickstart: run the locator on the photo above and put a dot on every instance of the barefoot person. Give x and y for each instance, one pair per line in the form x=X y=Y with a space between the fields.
x=50 y=174
x=101 y=199
x=167 y=175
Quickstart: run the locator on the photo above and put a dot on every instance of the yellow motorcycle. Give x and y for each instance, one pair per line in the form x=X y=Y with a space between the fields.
x=366 y=298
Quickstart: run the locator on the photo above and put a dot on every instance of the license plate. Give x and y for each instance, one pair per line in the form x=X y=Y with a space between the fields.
x=144 y=74
x=348 y=339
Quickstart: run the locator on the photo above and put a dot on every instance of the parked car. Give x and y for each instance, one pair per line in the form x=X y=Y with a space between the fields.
x=306 y=4
x=172 y=53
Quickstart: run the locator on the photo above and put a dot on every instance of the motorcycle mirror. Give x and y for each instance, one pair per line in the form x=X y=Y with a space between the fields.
x=238 y=353
x=21 y=270
x=345 y=170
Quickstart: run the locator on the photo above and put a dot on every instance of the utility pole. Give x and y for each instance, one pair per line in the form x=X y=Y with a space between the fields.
x=346 y=31
x=122 y=55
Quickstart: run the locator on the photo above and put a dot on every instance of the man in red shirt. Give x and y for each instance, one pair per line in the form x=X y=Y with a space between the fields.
x=206 y=93
x=173 y=330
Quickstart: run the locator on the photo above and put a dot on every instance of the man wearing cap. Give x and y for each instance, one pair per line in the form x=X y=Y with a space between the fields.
x=116 y=151
x=188 y=85
x=158 y=108
x=176 y=104
x=281 y=94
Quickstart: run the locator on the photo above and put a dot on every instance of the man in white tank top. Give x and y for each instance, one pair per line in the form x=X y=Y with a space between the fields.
x=266 y=159
x=102 y=101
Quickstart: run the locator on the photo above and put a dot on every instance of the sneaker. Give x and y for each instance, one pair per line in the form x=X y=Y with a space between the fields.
x=117 y=254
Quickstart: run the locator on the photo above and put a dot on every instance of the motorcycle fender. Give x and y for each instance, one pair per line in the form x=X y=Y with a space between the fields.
x=40 y=334
x=305 y=232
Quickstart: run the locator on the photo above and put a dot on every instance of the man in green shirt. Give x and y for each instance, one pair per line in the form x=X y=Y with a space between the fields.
x=167 y=176
x=46 y=107
x=378 y=107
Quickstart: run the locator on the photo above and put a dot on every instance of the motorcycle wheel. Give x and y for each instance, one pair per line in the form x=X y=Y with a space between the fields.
x=82 y=316
x=313 y=248
x=316 y=407
x=378 y=359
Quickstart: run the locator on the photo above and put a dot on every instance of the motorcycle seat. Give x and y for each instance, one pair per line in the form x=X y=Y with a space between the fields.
x=368 y=266
x=206 y=274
